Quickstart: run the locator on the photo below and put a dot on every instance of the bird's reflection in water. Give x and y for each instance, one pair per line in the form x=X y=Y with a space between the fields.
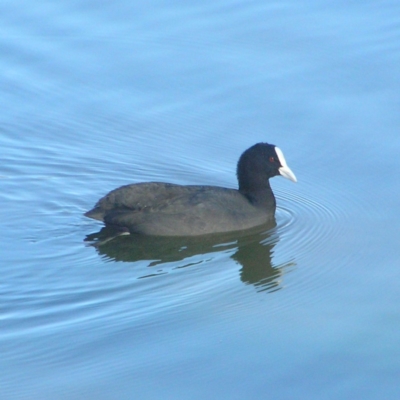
x=251 y=249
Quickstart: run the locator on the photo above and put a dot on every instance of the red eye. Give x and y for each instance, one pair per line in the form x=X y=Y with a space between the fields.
x=271 y=159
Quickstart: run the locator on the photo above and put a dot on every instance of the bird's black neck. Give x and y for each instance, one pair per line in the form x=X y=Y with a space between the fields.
x=259 y=196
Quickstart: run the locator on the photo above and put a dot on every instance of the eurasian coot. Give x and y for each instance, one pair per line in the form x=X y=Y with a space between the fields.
x=166 y=209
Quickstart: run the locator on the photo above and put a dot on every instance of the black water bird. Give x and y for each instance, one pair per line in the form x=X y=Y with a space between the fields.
x=166 y=209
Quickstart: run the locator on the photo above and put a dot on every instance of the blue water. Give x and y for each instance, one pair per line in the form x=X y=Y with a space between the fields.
x=95 y=95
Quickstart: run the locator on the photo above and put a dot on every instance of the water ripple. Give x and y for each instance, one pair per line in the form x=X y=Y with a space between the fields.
x=311 y=222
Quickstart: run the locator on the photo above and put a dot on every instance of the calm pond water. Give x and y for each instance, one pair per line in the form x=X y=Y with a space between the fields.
x=96 y=95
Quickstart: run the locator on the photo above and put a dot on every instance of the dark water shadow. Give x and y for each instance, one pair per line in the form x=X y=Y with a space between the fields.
x=251 y=249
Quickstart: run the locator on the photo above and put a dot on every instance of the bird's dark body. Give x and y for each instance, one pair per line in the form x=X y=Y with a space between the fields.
x=155 y=208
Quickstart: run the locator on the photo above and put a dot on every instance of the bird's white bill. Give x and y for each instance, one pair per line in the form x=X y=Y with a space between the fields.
x=285 y=171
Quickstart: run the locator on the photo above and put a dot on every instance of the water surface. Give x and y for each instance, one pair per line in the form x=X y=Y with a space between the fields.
x=95 y=96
